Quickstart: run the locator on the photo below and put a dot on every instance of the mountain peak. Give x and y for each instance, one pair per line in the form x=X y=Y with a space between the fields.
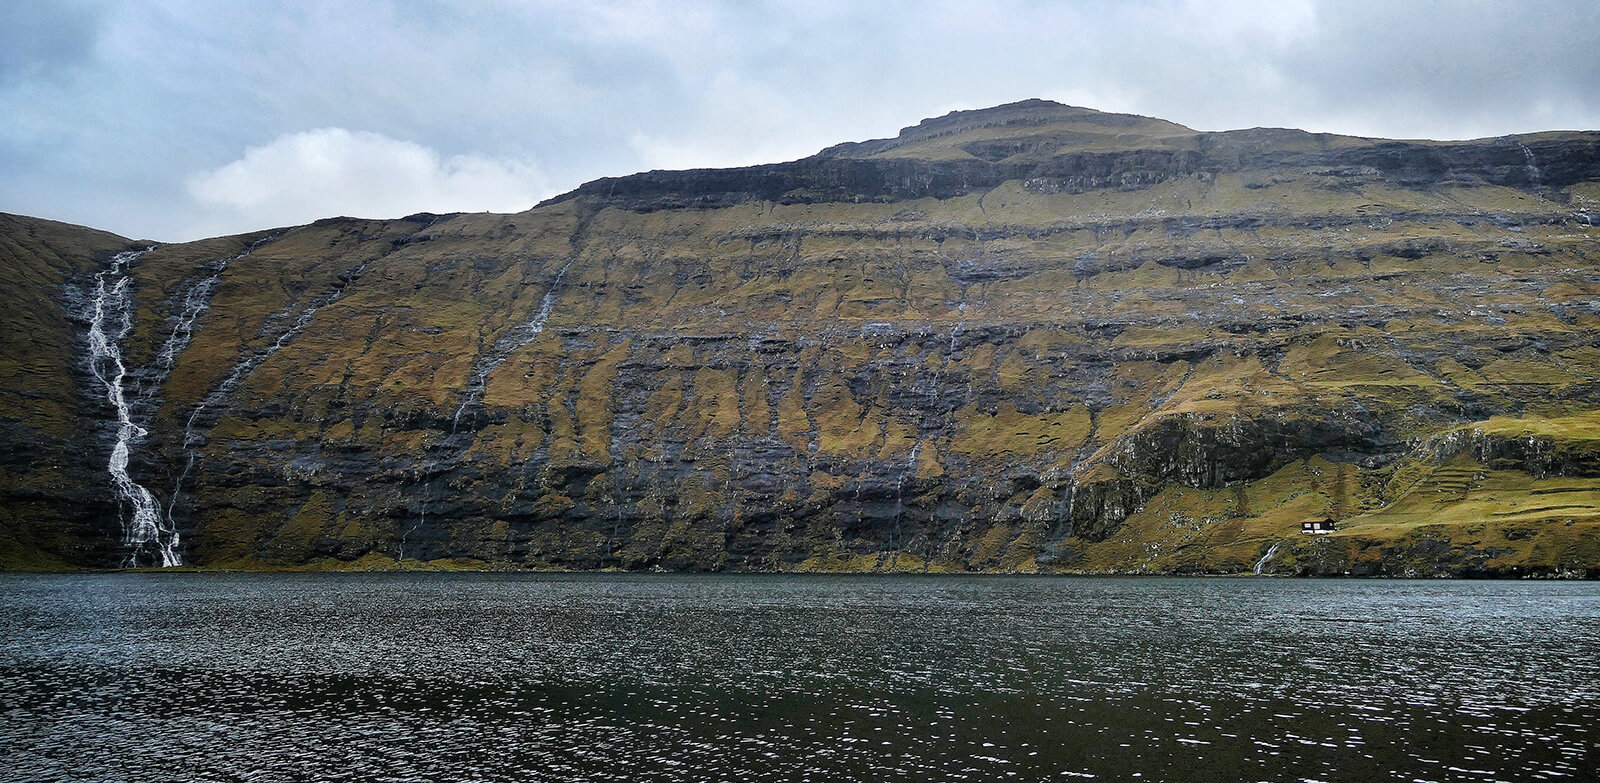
x=1034 y=337
x=1033 y=111
x=1035 y=126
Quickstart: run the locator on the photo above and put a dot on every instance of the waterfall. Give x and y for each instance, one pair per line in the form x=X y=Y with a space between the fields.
x=478 y=382
x=242 y=369
x=517 y=337
x=910 y=469
x=145 y=534
x=195 y=303
x=1271 y=551
x=1533 y=167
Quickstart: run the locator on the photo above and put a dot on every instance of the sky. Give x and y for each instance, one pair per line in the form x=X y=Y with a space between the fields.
x=179 y=119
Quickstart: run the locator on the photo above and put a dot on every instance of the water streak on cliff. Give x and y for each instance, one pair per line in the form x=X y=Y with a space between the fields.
x=514 y=339
x=195 y=426
x=148 y=540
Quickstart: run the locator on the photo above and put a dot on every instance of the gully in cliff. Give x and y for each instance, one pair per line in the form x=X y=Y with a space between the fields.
x=514 y=339
x=147 y=535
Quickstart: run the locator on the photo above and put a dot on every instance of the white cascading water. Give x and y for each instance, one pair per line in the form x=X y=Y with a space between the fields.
x=1533 y=167
x=910 y=469
x=195 y=303
x=242 y=369
x=145 y=533
x=505 y=346
x=1262 y=563
x=478 y=382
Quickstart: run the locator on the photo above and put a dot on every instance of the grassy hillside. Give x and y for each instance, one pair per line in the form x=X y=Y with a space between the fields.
x=1035 y=338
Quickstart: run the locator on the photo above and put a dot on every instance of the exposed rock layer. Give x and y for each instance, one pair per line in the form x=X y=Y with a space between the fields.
x=1033 y=337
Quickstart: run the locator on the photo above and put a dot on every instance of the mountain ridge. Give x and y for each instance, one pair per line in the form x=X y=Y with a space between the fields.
x=926 y=161
x=978 y=348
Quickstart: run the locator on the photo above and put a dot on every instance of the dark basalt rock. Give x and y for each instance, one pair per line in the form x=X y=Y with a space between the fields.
x=849 y=174
x=1141 y=349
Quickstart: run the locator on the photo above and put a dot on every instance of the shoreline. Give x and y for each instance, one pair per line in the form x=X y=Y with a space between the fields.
x=1592 y=575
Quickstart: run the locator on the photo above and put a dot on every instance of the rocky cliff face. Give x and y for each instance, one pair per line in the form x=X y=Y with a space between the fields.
x=1027 y=338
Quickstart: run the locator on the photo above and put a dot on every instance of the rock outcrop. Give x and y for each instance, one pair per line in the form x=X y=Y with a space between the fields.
x=1034 y=337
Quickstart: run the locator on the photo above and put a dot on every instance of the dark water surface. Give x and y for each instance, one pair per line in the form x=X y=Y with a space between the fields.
x=689 y=678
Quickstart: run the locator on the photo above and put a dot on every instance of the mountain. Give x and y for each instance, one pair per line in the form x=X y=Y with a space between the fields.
x=1028 y=338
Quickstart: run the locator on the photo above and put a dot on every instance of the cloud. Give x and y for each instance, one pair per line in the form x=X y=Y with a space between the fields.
x=739 y=122
x=39 y=39
x=112 y=106
x=1449 y=69
x=299 y=177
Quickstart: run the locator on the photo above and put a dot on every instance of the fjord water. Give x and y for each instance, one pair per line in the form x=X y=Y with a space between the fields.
x=271 y=677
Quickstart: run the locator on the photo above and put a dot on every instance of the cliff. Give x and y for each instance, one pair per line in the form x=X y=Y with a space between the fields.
x=1034 y=337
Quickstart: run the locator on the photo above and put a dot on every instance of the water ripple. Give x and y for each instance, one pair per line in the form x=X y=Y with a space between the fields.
x=678 y=678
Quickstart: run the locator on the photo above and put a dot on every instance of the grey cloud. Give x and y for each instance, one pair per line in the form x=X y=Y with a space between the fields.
x=113 y=106
x=1455 y=69
x=39 y=39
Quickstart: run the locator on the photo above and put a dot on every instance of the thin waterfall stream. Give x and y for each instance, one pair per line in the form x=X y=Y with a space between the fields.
x=478 y=382
x=1533 y=168
x=503 y=348
x=194 y=429
x=196 y=301
x=146 y=534
x=908 y=471
x=149 y=534
x=1272 y=551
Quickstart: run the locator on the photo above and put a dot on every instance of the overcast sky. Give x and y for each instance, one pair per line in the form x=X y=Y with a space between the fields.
x=177 y=119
